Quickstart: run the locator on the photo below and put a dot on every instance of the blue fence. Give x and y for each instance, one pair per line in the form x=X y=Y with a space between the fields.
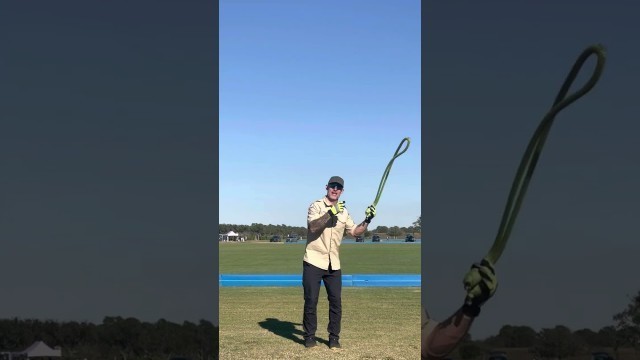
x=291 y=280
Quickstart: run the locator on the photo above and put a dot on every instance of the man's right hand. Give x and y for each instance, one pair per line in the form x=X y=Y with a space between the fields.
x=337 y=208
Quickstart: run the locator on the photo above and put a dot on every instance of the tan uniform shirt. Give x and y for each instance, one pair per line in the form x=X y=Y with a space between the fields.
x=323 y=248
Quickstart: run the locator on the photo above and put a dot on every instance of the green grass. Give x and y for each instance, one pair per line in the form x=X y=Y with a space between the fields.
x=266 y=323
x=279 y=258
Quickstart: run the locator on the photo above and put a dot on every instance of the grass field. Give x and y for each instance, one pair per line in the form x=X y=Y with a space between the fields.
x=266 y=323
x=279 y=258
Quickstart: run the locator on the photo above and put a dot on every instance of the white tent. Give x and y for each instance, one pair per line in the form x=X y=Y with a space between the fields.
x=228 y=236
x=41 y=349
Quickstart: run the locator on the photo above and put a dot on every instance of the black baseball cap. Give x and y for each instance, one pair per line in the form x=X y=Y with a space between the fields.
x=336 y=180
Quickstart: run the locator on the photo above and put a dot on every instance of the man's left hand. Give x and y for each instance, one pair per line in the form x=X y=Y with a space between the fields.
x=481 y=284
x=369 y=214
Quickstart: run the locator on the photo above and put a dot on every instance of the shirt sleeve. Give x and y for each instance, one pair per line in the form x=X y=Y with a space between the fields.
x=350 y=225
x=428 y=326
x=314 y=212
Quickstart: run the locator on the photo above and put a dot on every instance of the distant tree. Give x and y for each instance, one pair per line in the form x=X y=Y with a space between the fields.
x=224 y=228
x=606 y=337
x=470 y=350
x=494 y=341
x=523 y=336
x=207 y=339
x=119 y=335
x=628 y=322
x=558 y=342
x=513 y=337
x=116 y=338
x=610 y=337
x=257 y=230
x=394 y=231
x=418 y=224
x=382 y=230
x=588 y=337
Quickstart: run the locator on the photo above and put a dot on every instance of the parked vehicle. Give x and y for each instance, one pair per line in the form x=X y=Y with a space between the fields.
x=601 y=355
x=409 y=238
x=359 y=239
x=292 y=238
x=497 y=355
x=375 y=238
x=275 y=238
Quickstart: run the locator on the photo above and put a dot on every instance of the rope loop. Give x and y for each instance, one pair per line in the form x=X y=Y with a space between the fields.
x=386 y=171
x=532 y=153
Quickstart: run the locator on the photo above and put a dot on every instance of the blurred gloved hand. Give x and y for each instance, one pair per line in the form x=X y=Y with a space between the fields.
x=481 y=284
x=337 y=208
x=369 y=213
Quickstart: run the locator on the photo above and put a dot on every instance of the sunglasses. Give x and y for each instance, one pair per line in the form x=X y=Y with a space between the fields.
x=335 y=186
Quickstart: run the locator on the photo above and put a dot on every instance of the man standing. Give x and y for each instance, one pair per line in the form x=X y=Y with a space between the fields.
x=440 y=339
x=327 y=220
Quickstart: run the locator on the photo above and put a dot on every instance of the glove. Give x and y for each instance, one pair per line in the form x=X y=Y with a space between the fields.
x=481 y=284
x=336 y=209
x=369 y=214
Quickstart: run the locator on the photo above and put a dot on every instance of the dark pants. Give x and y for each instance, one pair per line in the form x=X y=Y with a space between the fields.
x=311 y=277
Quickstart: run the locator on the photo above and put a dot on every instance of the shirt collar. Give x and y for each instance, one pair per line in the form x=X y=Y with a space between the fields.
x=326 y=202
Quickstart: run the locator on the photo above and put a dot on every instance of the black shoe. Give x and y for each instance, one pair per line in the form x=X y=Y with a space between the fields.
x=334 y=343
x=310 y=342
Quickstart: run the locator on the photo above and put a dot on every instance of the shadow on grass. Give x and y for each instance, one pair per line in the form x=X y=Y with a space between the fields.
x=286 y=329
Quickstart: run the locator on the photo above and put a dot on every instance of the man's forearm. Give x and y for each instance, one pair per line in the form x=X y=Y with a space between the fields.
x=444 y=338
x=319 y=224
x=360 y=229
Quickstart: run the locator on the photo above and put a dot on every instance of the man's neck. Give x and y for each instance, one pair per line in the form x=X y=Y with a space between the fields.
x=329 y=201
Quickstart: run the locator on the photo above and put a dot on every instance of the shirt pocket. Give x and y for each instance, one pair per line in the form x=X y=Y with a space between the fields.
x=341 y=222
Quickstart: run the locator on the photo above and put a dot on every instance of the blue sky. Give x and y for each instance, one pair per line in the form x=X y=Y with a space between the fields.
x=106 y=148
x=314 y=89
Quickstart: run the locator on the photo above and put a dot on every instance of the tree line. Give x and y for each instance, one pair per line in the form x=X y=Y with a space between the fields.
x=115 y=338
x=132 y=339
x=560 y=342
x=257 y=231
